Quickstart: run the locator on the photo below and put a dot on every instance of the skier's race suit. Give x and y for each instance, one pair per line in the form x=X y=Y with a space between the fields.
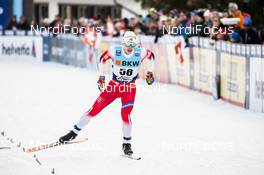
x=125 y=69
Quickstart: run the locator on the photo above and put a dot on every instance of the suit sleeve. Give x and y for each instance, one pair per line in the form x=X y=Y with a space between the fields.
x=105 y=56
x=149 y=55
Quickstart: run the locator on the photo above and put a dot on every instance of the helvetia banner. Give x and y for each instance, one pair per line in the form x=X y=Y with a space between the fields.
x=21 y=47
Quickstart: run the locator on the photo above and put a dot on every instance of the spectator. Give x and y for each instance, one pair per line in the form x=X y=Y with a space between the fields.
x=180 y=22
x=234 y=37
x=261 y=34
x=207 y=20
x=56 y=24
x=249 y=35
x=151 y=22
x=182 y=19
x=12 y=23
x=110 y=30
x=23 y=24
x=119 y=27
x=33 y=23
x=56 y=21
x=235 y=13
x=199 y=21
x=45 y=23
x=218 y=30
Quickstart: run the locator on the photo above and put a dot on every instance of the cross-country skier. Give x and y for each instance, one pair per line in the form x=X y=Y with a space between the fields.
x=126 y=60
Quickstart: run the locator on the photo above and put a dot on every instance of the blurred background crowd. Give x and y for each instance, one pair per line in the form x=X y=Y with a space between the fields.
x=244 y=28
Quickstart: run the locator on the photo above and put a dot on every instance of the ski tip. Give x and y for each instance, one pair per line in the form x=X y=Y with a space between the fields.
x=84 y=139
x=131 y=157
x=136 y=158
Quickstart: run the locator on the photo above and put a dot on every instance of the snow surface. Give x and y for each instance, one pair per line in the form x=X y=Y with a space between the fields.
x=175 y=130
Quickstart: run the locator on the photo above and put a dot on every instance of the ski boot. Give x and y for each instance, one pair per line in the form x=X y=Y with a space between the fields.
x=127 y=149
x=68 y=137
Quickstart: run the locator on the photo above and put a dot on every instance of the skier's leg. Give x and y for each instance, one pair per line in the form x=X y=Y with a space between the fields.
x=100 y=103
x=104 y=99
x=127 y=99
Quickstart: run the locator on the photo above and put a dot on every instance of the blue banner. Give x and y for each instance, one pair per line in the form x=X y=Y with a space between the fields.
x=4 y=14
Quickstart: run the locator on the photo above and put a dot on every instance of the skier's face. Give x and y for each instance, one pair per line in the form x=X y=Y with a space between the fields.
x=128 y=49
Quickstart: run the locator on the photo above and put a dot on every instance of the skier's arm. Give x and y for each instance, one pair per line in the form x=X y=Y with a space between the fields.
x=151 y=57
x=105 y=56
x=102 y=60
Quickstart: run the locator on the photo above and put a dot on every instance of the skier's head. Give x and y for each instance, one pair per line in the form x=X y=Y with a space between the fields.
x=129 y=41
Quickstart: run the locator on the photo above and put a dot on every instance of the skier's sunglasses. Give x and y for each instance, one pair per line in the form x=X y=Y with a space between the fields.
x=130 y=44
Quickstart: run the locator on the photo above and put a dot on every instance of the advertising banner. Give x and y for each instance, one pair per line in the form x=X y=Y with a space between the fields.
x=80 y=53
x=56 y=50
x=21 y=47
x=69 y=50
x=68 y=54
x=241 y=79
x=256 y=96
x=178 y=62
x=46 y=48
x=233 y=79
x=204 y=69
x=161 y=66
x=4 y=11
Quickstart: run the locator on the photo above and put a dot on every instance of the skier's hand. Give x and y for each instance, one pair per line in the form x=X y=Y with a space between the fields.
x=149 y=78
x=101 y=83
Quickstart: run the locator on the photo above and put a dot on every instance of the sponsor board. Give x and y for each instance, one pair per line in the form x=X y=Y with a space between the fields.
x=21 y=47
x=204 y=69
x=161 y=67
x=5 y=10
x=174 y=64
x=233 y=79
x=256 y=96
x=178 y=62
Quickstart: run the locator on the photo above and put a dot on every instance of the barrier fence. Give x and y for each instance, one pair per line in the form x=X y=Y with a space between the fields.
x=234 y=72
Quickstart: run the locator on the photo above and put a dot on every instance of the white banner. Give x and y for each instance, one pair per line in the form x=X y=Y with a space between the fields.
x=256 y=84
x=178 y=61
x=21 y=47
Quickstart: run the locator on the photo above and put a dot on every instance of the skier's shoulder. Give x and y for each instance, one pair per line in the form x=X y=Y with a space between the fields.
x=112 y=49
x=145 y=52
x=110 y=52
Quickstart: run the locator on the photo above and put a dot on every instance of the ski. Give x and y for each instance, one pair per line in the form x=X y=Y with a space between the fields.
x=5 y=147
x=52 y=145
x=131 y=157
